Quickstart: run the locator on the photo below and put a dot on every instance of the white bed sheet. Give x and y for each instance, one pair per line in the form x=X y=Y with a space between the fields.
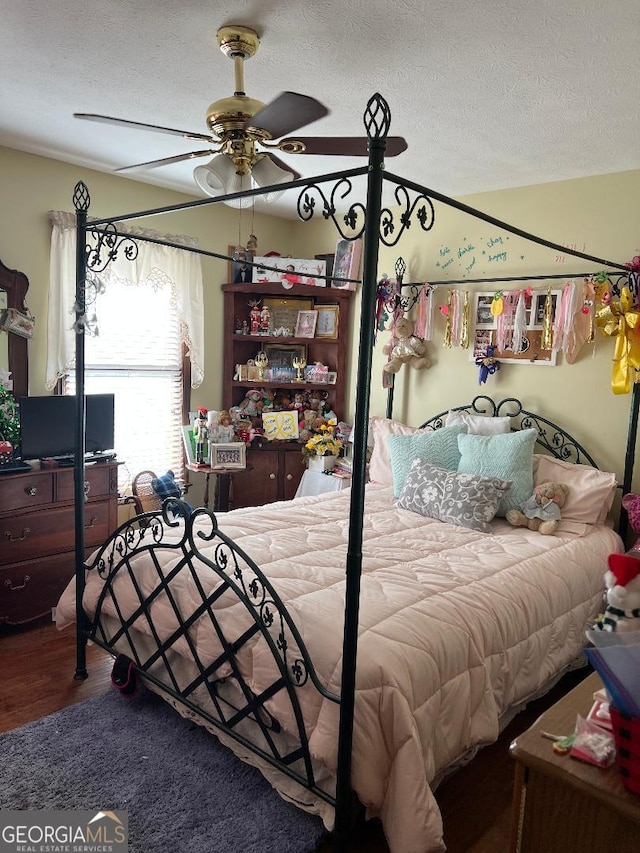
x=456 y=628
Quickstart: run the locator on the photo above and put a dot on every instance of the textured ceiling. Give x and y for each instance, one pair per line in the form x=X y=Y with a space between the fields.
x=489 y=94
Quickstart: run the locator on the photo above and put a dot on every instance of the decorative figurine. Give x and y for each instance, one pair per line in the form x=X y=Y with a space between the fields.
x=255 y=318
x=224 y=431
x=201 y=433
x=265 y=319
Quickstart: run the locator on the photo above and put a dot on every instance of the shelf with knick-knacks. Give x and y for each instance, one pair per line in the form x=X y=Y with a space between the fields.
x=289 y=340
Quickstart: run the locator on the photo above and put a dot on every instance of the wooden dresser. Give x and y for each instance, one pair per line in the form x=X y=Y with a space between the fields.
x=37 y=534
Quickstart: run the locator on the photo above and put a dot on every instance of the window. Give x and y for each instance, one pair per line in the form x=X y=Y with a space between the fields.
x=137 y=355
x=150 y=344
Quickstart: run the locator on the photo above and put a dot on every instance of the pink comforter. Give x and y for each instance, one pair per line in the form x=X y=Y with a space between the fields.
x=456 y=628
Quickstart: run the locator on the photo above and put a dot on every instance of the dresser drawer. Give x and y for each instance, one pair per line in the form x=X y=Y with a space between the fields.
x=36 y=534
x=25 y=490
x=30 y=590
x=102 y=480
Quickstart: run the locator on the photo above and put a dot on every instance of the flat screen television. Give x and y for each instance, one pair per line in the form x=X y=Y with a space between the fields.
x=47 y=425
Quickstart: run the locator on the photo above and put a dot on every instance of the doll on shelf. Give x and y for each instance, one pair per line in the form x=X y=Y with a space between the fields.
x=224 y=431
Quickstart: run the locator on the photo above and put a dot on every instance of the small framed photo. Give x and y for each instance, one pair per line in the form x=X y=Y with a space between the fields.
x=347 y=264
x=484 y=319
x=306 y=324
x=332 y=377
x=282 y=355
x=327 y=325
x=227 y=457
x=538 y=301
x=239 y=270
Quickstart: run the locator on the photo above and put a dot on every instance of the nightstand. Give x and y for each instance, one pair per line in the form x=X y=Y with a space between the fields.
x=317 y=483
x=562 y=805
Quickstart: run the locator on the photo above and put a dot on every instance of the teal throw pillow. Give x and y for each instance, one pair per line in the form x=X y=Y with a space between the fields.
x=508 y=456
x=439 y=447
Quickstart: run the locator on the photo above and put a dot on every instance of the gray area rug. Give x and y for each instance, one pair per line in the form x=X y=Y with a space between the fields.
x=182 y=789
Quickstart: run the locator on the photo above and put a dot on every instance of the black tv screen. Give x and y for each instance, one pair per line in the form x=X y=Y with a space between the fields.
x=47 y=425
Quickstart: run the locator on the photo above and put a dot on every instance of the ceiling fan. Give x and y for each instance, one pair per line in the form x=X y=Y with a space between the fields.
x=244 y=131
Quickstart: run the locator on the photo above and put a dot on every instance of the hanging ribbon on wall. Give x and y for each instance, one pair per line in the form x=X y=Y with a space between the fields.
x=546 y=338
x=446 y=311
x=620 y=319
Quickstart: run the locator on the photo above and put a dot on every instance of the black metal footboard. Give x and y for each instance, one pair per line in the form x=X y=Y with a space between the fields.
x=144 y=568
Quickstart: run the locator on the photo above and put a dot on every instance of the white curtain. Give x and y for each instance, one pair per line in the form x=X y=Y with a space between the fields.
x=181 y=269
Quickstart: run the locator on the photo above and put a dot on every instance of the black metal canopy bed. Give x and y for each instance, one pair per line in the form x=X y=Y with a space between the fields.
x=348 y=653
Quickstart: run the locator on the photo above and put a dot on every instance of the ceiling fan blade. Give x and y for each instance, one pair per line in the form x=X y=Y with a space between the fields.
x=139 y=125
x=166 y=161
x=346 y=146
x=286 y=113
x=282 y=165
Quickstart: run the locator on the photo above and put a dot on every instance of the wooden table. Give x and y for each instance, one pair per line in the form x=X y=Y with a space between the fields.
x=562 y=805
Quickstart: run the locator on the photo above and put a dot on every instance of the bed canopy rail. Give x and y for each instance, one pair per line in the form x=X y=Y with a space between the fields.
x=378 y=225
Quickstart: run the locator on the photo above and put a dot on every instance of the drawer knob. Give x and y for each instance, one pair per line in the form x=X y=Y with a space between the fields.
x=20 y=538
x=32 y=490
x=272 y=476
x=19 y=586
x=289 y=476
x=92 y=523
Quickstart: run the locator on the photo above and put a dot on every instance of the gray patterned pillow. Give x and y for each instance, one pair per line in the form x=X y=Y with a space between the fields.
x=467 y=500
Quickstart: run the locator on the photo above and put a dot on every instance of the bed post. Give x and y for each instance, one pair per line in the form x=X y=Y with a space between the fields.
x=630 y=455
x=377 y=119
x=81 y=201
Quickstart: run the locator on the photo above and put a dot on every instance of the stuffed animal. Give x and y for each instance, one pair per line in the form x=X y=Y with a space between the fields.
x=631 y=503
x=541 y=511
x=408 y=349
x=622 y=581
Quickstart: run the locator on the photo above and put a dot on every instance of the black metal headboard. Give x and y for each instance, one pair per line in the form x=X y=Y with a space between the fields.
x=551 y=437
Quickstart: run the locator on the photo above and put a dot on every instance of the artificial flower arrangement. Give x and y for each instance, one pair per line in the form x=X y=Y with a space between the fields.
x=323 y=442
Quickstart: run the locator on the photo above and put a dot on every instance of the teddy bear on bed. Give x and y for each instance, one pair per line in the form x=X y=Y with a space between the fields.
x=541 y=511
x=408 y=348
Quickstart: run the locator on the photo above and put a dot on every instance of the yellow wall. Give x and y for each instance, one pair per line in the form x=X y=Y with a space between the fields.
x=598 y=215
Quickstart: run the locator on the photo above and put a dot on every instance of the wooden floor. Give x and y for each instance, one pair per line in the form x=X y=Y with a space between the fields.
x=38 y=664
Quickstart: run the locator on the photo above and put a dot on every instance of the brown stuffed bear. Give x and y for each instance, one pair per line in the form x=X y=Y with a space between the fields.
x=541 y=511
x=408 y=349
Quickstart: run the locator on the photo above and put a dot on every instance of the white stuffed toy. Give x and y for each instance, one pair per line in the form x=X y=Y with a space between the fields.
x=407 y=349
x=622 y=612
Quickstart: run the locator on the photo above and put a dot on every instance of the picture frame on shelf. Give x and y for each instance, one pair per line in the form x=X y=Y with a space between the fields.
x=282 y=355
x=327 y=325
x=284 y=310
x=332 y=377
x=227 y=456
x=347 y=264
x=189 y=443
x=306 y=324
x=329 y=260
x=238 y=271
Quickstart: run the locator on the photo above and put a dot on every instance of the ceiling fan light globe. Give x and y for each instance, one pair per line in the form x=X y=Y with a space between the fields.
x=266 y=173
x=218 y=177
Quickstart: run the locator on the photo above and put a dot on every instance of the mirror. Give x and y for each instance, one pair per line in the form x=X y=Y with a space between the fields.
x=13 y=348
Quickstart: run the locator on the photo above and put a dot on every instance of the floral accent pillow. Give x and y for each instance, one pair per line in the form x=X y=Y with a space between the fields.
x=466 y=500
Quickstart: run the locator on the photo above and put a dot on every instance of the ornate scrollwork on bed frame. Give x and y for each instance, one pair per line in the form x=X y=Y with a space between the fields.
x=552 y=438
x=234 y=573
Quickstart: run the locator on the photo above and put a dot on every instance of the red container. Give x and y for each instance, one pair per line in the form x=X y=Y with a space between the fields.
x=626 y=731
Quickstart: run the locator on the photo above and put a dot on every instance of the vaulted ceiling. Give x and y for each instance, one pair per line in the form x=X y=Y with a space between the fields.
x=488 y=93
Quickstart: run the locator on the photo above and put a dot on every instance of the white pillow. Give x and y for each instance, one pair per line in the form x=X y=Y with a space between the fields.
x=591 y=492
x=380 y=462
x=478 y=424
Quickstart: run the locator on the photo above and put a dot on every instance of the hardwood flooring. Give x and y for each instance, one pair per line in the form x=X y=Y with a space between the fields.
x=38 y=664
